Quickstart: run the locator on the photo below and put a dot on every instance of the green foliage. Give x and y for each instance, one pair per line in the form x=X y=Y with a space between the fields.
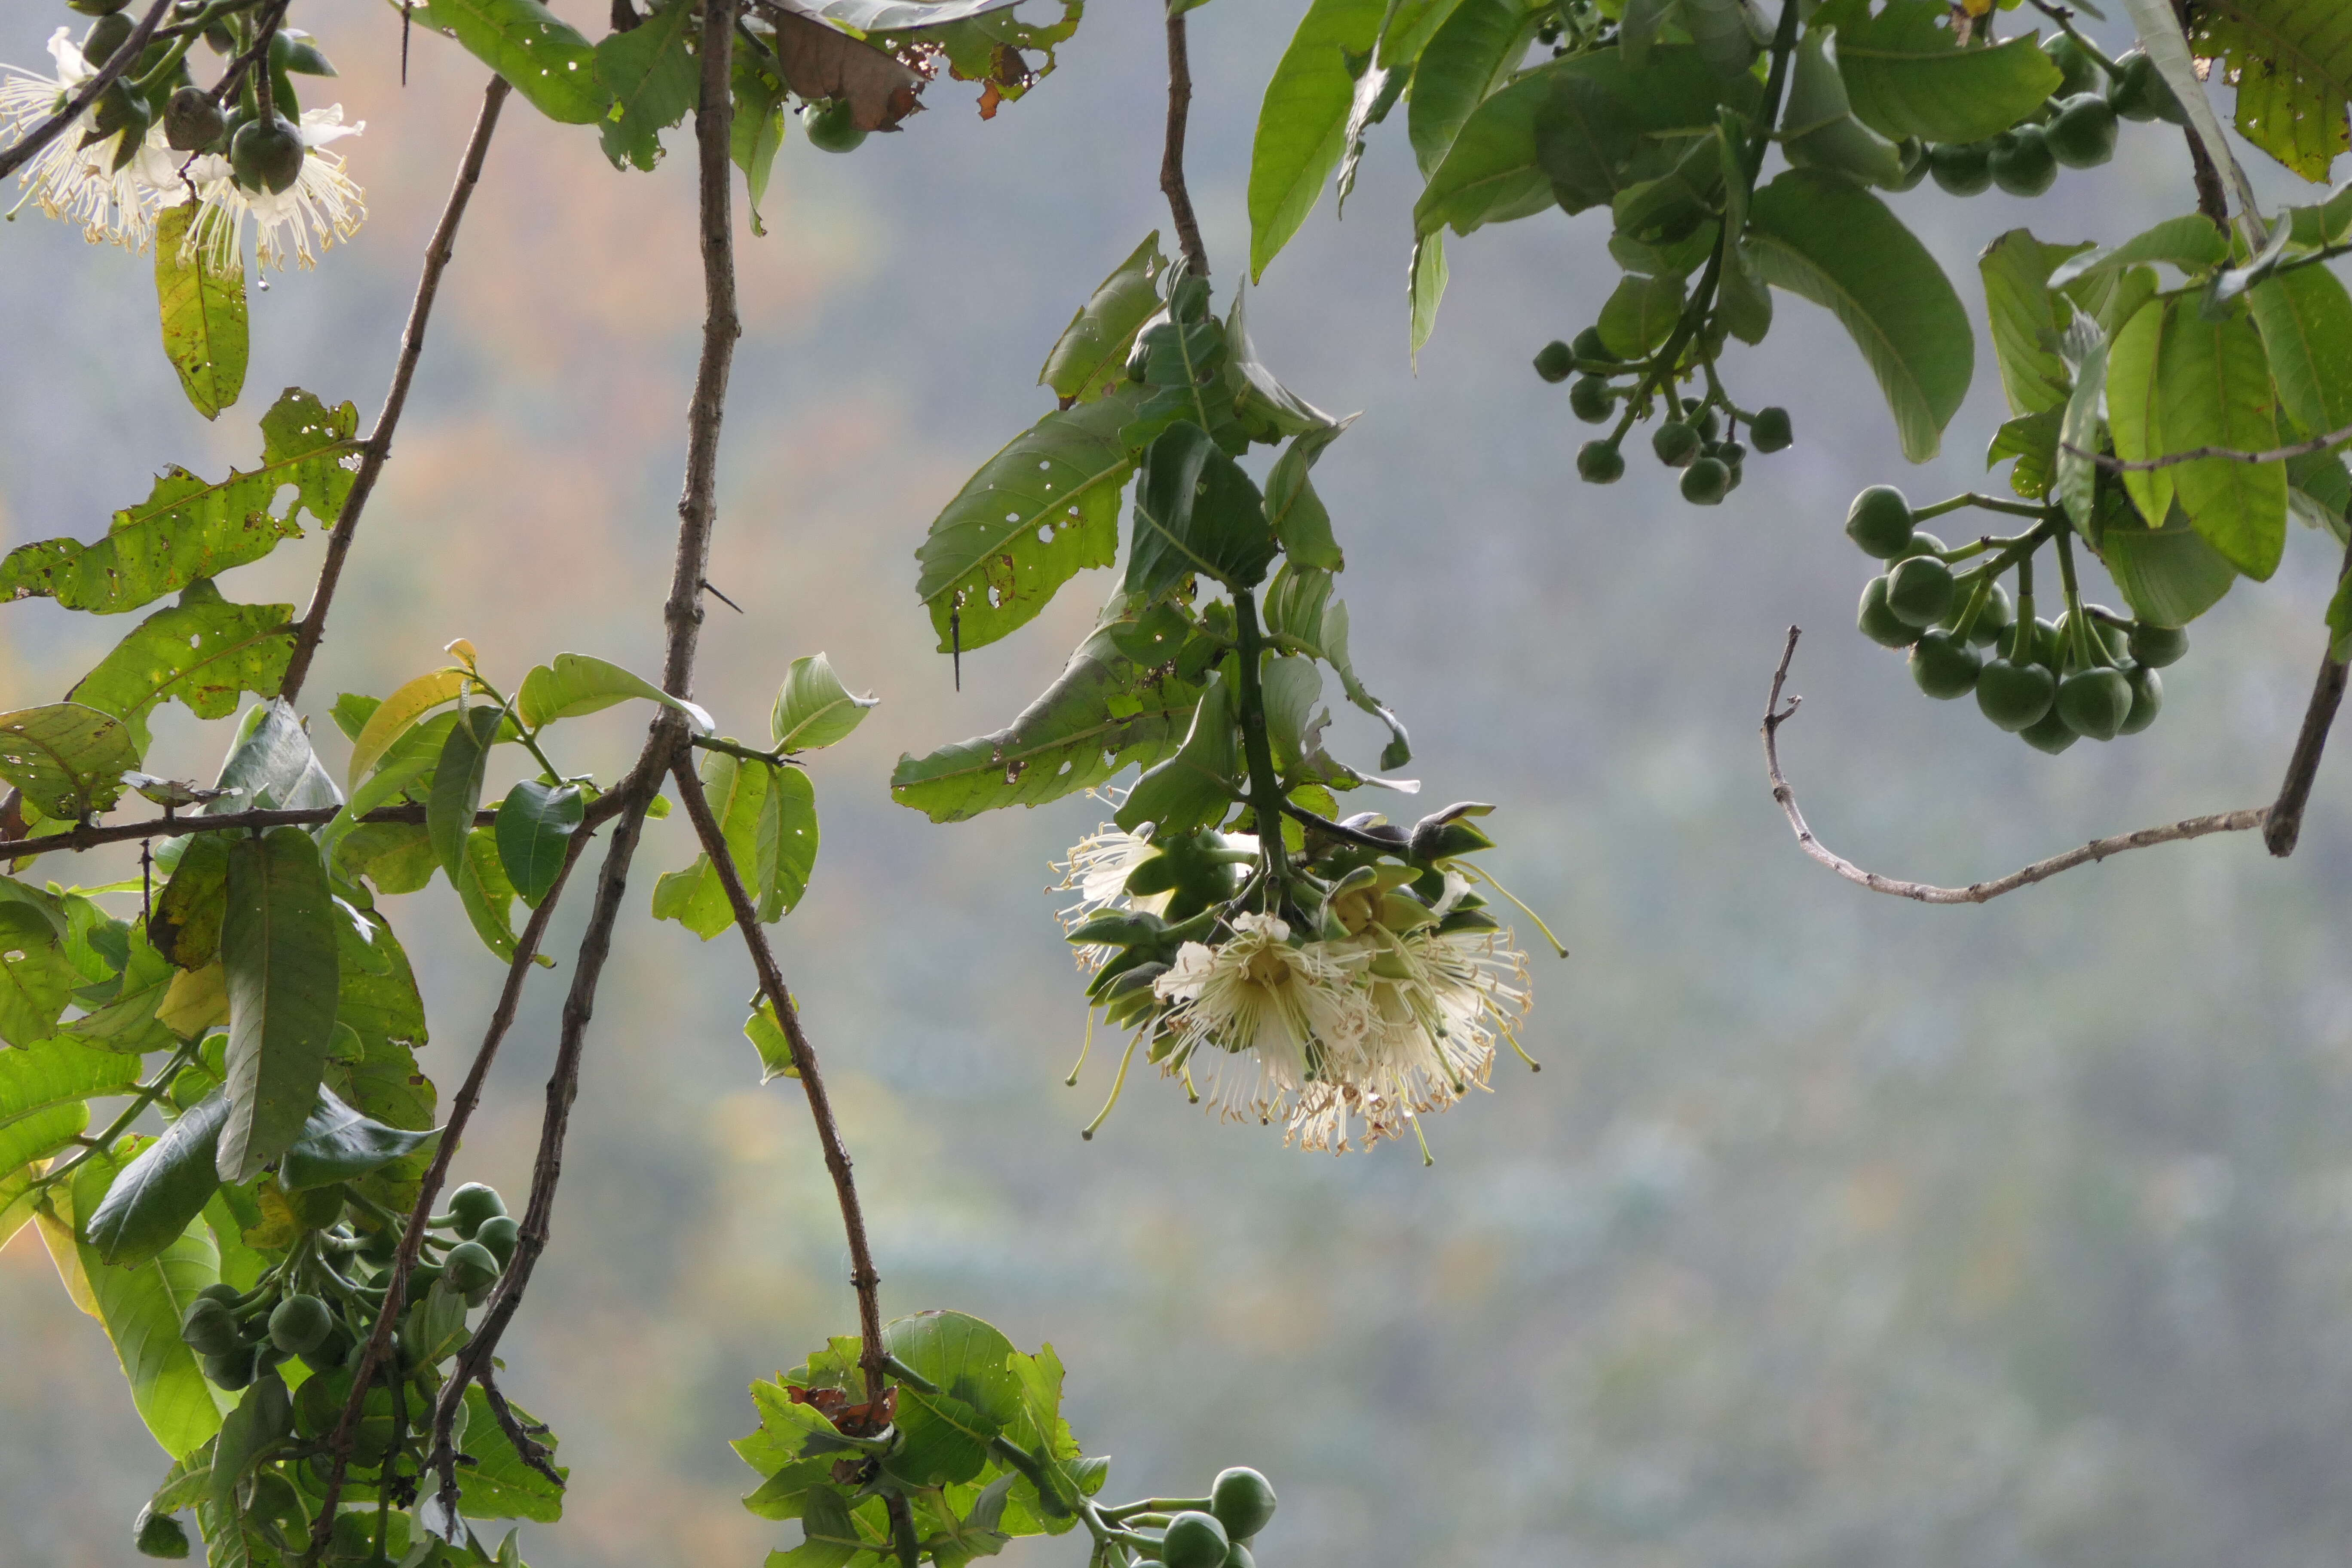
x=278 y=945
x=1302 y=126
x=2291 y=61
x=1909 y=75
x=206 y=335
x=67 y=759
x=203 y=652
x=650 y=81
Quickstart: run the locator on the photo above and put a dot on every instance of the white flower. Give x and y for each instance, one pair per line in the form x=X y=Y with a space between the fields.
x=322 y=206
x=65 y=179
x=1259 y=1018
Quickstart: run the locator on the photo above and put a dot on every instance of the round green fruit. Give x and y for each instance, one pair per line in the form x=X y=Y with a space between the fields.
x=192 y=120
x=1590 y=399
x=159 y=1534
x=2157 y=647
x=1555 y=361
x=2041 y=641
x=1880 y=521
x=1194 y=1539
x=96 y=7
x=1707 y=481
x=2015 y=696
x=2095 y=702
x=299 y=1325
x=1919 y=590
x=106 y=35
x=1590 y=346
x=231 y=1370
x=1913 y=153
x=499 y=1234
x=1992 y=619
x=2049 y=733
x=1677 y=444
x=469 y=1266
x=1922 y=543
x=1962 y=168
x=2084 y=134
x=208 y=1328
x=2147 y=700
x=266 y=154
x=832 y=126
x=2077 y=71
x=473 y=1204
x=1243 y=1502
x=1238 y=1556
x=2022 y=162
x=1600 y=463
x=1705 y=423
x=1879 y=623
x=1943 y=666
x=1770 y=430
x=2137 y=92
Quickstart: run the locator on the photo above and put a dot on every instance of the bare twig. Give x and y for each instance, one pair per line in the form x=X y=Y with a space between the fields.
x=235 y=75
x=2312 y=448
x=1974 y=892
x=2285 y=825
x=1171 y=155
x=862 y=1276
x=378 y=447
x=87 y=838
x=120 y=61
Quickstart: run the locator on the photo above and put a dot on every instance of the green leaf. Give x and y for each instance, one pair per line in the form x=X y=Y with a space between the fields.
x=339 y=1145
x=46 y=1075
x=2319 y=492
x=829 y=1536
x=458 y=785
x=498 y=1485
x=786 y=843
x=1468 y=57
x=2191 y=243
x=203 y=652
x=160 y=1193
x=578 y=683
x=278 y=941
x=67 y=758
x=650 y=80
x=1828 y=241
x=1195 y=511
x=204 y=315
x=1908 y=76
x=766 y=1032
x=2032 y=440
x=2291 y=62
x=1427 y=288
x=757 y=131
x=535 y=828
x=1302 y=123
x=1268 y=409
x=1410 y=25
x=2083 y=427
x=1036 y=515
x=546 y=58
x=1301 y=613
x=488 y=896
x=1819 y=129
x=1294 y=510
x=2339 y=621
x=395 y=857
x=397 y=714
x=695 y=897
x=1639 y=315
x=1195 y=787
x=2305 y=320
x=1584 y=141
x=45 y=1133
x=814 y=709
x=36 y=979
x=979 y=1393
x=272 y=765
x=189 y=528
x=2177 y=382
x=2168 y=575
x=1089 y=358
x=2027 y=319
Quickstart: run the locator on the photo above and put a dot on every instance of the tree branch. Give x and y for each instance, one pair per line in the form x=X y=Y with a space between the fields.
x=2312 y=448
x=1974 y=892
x=1171 y=155
x=87 y=838
x=378 y=446
x=120 y=61
x=2285 y=825
x=862 y=1276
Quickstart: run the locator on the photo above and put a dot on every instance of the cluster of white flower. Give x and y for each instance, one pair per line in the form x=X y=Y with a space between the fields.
x=81 y=183
x=1346 y=1036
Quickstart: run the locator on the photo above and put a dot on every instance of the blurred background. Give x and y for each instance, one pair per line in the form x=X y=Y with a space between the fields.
x=1836 y=1230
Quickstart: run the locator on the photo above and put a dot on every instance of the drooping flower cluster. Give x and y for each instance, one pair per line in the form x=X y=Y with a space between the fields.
x=118 y=197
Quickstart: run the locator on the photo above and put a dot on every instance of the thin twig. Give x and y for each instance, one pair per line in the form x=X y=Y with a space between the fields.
x=378 y=447
x=2285 y=822
x=2312 y=448
x=90 y=837
x=1345 y=834
x=862 y=1276
x=1171 y=155
x=120 y=61
x=1974 y=892
x=235 y=75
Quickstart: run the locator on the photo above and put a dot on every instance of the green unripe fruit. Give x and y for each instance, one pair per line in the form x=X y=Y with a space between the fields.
x=1992 y=618
x=225 y=1293
x=1735 y=472
x=499 y=1234
x=1914 y=164
x=832 y=126
x=1589 y=398
x=1238 y=1556
x=469 y=1266
x=1770 y=430
x=192 y=120
x=2077 y=71
x=1919 y=590
x=298 y=1323
x=2022 y=162
x=1879 y=522
x=2015 y=696
x=1590 y=347
x=1707 y=481
x=1600 y=463
x=1922 y=543
x=1943 y=666
x=2133 y=92
x=2157 y=647
x=266 y=154
x=2095 y=702
x=2147 y=700
x=1961 y=168
x=96 y=7
x=2049 y=733
x=1194 y=1539
x=106 y=35
x=1705 y=423
x=1555 y=361
x=473 y=1204
x=2084 y=134
x=2040 y=640
x=159 y=1534
x=1877 y=622
x=1677 y=444
x=208 y=1328
x=231 y=1370
x=1243 y=1502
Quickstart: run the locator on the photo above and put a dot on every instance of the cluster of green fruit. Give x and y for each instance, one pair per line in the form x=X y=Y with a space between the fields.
x=2076 y=127
x=265 y=151
x=2091 y=672
x=1217 y=1534
x=1692 y=439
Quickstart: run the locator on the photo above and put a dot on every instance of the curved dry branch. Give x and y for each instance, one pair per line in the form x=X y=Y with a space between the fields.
x=1775 y=715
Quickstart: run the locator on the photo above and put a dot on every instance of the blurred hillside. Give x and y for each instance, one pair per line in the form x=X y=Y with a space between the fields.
x=1836 y=1231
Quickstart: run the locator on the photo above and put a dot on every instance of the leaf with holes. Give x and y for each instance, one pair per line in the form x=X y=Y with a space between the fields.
x=1089 y=358
x=67 y=758
x=203 y=651
x=650 y=81
x=205 y=335
x=822 y=62
x=2291 y=61
x=549 y=61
